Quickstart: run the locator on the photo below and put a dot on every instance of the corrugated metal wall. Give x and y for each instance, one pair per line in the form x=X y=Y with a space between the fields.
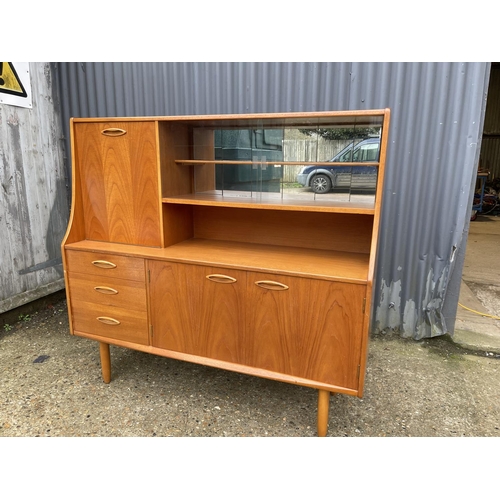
x=34 y=202
x=434 y=143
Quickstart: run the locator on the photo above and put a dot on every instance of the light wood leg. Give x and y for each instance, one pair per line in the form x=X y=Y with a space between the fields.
x=105 y=362
x=323 y=410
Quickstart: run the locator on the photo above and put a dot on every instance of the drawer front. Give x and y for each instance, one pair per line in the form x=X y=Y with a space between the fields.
x=112 y=322
x=107 y=291
x=105 y=265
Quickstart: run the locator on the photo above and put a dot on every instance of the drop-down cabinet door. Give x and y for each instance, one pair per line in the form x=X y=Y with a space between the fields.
x=119 y=181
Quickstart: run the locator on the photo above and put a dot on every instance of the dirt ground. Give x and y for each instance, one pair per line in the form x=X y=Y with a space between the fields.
x=51 y=385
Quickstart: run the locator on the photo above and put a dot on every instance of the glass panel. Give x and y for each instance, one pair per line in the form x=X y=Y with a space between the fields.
x=257 y=146
x=366 y=148
x=335 y=181
x=326 y=163
x=299 y=146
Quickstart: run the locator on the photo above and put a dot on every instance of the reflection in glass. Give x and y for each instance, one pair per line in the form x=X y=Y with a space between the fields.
x=258 y=147
x=322 y=163
x=331 y=178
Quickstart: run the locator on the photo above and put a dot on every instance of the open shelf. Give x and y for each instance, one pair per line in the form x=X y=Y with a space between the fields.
x=277 y=162
x=325 y=264
x=348 y=267
x=266 y=202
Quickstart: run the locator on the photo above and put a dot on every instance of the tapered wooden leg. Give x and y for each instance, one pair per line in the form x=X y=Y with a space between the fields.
x=323 y=410
x=105 y=362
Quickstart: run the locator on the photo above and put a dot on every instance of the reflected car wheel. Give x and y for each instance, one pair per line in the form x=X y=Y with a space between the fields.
x=321 y=183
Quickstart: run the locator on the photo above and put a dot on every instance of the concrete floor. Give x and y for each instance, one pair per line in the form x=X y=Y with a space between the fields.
x=50 y=382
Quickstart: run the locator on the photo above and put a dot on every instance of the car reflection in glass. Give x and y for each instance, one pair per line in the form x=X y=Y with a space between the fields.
x=322 y=178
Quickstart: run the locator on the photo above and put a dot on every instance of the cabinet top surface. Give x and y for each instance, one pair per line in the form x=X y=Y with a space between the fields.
x=321 y=264
x=257 y=119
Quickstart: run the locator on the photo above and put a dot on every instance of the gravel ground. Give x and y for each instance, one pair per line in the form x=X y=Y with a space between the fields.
x=51 y=386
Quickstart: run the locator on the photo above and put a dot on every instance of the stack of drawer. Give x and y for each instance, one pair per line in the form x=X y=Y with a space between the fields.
x=108 y=295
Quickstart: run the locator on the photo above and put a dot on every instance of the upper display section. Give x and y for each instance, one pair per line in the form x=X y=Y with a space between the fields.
x=309 y=161
x=323 y=161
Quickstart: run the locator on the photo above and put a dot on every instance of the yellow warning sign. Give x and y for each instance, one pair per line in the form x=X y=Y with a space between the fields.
x=10 y=82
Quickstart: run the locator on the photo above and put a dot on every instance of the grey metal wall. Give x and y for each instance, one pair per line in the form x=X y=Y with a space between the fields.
x=34 y=202
x=436 y=128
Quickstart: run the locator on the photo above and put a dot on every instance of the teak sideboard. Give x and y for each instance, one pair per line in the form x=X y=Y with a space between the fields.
x=186 y=241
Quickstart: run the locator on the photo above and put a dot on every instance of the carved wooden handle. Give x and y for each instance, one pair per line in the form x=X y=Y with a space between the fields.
x=108 y=321
x=271 y=285
x=221 y=278
x=106 y=290
x=103 y=264
x=113 y=132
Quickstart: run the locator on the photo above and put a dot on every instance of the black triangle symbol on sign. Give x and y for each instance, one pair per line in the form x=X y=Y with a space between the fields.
x=10 y=83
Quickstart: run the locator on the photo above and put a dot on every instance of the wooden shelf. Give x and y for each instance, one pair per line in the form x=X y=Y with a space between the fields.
x=337 y=266
x=267 y=202
x=277 y=162
x=348 y=267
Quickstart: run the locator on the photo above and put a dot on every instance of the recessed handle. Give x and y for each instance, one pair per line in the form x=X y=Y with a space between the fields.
x=113 y=132
x=106 y=290
x=108 y=321
x=103 y=264
x=271 y=285
x=221 y=278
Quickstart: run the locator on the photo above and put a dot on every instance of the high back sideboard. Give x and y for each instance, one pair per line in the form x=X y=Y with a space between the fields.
x=189 y=237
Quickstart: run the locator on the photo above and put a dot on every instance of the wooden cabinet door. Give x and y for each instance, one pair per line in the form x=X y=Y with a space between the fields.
x=307 y=328
x=197 y=310
x=119 y=181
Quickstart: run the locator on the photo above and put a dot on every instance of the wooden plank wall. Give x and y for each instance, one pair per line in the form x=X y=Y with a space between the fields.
x=34 y=200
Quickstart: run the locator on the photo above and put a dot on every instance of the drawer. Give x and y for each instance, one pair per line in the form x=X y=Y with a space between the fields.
x=108 y=321
x=105 y=265
x=108 y=291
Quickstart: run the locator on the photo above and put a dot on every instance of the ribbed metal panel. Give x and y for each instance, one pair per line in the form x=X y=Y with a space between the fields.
x=436 y=128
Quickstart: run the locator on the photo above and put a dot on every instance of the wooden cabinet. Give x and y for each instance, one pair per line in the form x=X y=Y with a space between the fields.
x=304 y=328
x=207 y=239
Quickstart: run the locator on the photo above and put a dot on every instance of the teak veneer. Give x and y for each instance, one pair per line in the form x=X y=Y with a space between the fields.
x=159 y=259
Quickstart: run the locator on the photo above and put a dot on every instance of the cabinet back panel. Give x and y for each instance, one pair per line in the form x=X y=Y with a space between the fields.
x=119 y=182
x=322 y=231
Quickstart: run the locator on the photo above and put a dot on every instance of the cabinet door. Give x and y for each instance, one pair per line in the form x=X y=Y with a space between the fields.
x=307 y=328
x=197 y=310
x=119 y=181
